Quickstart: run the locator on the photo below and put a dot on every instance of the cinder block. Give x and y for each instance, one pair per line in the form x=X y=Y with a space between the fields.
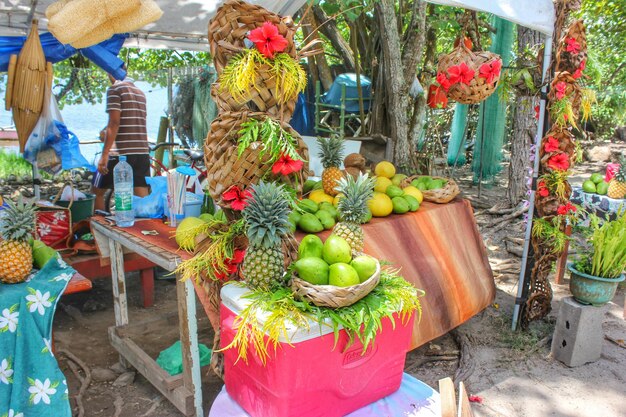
x=578 y=334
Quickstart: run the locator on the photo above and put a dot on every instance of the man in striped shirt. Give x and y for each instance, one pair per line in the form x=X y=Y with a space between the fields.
x=127 y=134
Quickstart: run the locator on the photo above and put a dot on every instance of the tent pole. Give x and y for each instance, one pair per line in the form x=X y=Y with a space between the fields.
x=526 y=266
x=36 y=182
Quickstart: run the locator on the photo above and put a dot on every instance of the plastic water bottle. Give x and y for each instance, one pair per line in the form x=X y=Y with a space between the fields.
x=123 y=187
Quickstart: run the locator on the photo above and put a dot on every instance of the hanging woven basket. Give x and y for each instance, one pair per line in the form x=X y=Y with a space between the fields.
x=479 y=87
x=233 y=21
x=265 y=98
x=572 y=48
x=225 y=167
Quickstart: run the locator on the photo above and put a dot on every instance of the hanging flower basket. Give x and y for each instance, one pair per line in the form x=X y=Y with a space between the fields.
x=226 y=167
x=557 y=140
x=572 y=48
x=469 y=77
x=232 y=23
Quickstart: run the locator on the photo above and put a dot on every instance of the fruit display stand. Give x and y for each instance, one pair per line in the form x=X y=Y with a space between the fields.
x=184 y=391
x=439 y=249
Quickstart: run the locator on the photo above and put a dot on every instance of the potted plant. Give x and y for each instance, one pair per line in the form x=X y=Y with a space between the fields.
x=601 y=261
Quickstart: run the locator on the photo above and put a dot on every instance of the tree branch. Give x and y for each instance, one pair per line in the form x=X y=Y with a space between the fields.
x=328 y=27
x=414 y=45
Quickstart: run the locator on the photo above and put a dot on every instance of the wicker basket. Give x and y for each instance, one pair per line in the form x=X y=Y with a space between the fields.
x=478 y=89
x=233 y=21
x=260 y=99
x=440 y=195
x=566 y=144
x=332 y=296
x=568 y=61
x=225 y=167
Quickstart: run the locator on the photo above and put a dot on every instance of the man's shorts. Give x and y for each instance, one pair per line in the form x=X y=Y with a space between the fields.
x=141 y=169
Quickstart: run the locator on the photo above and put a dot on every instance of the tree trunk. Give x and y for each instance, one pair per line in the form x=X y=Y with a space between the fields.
x=322 y=70
x=395 y=84
x=328 y=27
x=524 y=128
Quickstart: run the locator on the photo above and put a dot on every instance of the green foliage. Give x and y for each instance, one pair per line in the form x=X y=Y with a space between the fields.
x=361 y=320
x=13 y=164
x=604 y=252
x=274 y=139
x=550 y=232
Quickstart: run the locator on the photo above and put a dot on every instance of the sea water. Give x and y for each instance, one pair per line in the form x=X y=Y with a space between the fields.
x=123 y=189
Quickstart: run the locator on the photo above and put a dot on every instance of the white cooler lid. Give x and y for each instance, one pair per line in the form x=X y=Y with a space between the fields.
x=232 y=299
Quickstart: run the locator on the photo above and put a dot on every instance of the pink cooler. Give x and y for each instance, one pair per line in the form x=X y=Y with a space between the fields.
x=310 y=378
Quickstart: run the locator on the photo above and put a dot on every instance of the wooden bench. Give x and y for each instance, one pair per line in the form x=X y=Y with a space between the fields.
x=93 y=267
x=78 y=283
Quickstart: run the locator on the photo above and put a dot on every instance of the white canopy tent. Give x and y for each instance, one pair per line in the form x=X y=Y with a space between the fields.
x=183 y=26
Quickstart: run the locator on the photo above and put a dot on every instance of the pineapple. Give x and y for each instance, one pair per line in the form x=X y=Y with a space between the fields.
x=17 y=223
x=331 y=153
x=267 y=217
x=617 y=186
x=353 y=209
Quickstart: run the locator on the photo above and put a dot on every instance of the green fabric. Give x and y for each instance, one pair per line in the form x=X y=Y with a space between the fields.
x=171 y=359
x=456 y=146
x=204 y=108
x=492 y=114
x=31 y=383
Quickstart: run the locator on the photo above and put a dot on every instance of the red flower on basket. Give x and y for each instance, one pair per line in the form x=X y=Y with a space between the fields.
x=564 y=210
x=286 y=165
x=443 y=81
x=579 y=71
x=573 y=47
x=560 y=89
x=236 y=197
x=268 y=40
x=437 y=98
x=490 y=70
x=551 y=145
x=232 y=264
x=460 y=74
x=542 y=189
x=559 y=162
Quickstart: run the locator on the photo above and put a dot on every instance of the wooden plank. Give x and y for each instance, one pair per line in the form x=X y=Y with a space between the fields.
x=78 y=283
x=189 y=340
x=153 y=253
x=170 y=386
x=149 y=326
x=120 y=303
x=465 y=409
x=447 y=398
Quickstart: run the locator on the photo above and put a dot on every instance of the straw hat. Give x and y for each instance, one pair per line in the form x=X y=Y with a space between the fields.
x=78 y=18
x=147 y=13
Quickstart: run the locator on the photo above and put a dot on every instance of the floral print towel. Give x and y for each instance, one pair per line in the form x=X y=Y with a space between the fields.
x=31 y=383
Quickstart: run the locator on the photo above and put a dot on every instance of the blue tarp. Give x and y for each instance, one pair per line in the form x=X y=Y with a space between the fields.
x=103 y=54
x=348 y=80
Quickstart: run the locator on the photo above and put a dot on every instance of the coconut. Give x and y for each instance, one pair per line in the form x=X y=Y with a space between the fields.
x=187 y=231
x=355 y=160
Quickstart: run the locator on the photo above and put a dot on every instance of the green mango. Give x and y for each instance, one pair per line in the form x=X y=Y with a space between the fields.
x=308 y=186
x=313 y=270
x=308 y=205
x=329 y=208
x=42 y=254
x=413 y=203
x=394 y=191
x=327 y=219
x=294 y=216
x=310 y=224
x=310 y=247
x=419 y=184
x=400 y=205
x=435 y=184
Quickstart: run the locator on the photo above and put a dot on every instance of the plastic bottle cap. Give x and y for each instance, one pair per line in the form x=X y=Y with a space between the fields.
x=122 y=158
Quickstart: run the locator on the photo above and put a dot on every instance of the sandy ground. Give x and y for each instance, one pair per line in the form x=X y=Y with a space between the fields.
x=514 y=374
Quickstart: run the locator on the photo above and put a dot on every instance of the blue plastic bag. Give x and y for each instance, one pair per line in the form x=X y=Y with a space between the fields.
x=67 y=146
x=151 y=206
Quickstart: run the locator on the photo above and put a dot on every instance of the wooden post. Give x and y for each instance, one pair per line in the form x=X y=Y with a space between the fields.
x=120 y=304
x=189 y=340
x=447 y=398
x=562 y=262
x=162 y=135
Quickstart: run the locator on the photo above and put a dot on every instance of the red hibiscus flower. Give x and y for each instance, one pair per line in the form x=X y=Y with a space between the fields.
x=437 y=98
x=443 y=81
x=573 y=47
x=268 y=40
x=566 y=209
x=537 y=112
x=460 y=74
x=559 y=162
x=490 y=70
x=579 y=71
x=237 y=198
x=542 y=190
x=560 y=89
x=286 y=165
x=551 y=145
x=231 y=265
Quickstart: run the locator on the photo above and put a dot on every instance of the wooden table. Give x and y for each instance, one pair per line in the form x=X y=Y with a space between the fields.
x=185 y=390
